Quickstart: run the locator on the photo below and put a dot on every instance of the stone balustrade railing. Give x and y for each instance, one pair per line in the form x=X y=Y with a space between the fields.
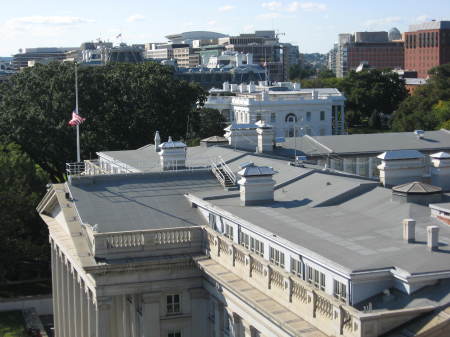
x=332 y=316
x=182 y=240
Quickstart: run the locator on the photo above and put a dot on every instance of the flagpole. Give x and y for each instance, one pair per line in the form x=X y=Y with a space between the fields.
x=76 y=110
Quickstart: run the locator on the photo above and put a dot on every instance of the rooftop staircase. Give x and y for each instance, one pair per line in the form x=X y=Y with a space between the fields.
x=223 y=173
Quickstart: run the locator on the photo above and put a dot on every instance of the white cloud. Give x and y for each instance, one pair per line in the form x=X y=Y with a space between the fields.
x=277 y=6
x=47 y=20
x=212 y=22
x=272 y=6
x=249 y=28
x=272 y=15
x=135 y=18
x=226 y=8
x=423 y=18
x=383 y=21
x=39 y=26
x=306 y=6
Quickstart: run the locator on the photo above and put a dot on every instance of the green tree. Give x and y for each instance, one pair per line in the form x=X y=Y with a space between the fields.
x=428 y=107
x=124 y=104
x=210 y=123
x=24 y=235
x=373 y=90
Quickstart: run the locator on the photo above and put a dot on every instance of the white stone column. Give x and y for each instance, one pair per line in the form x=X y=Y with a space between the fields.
x=82 y=306
x=92 y=317
x=70 y=317
x=103 y=314
x=65 y=299
x=125 y=317
x=55 y=281
x=133 y=318
x=151 y=314
x=358 y=166
x=76 y=304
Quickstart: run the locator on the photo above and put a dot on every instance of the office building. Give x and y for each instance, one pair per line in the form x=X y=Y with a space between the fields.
x=427 y=45
x=373 y=48
x=39 y=55
x=190 y=244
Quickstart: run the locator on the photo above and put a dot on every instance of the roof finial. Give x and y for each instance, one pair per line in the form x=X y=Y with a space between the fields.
x=170 y=139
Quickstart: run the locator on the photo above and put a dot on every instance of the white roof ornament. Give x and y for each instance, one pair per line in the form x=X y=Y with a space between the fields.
x=157 y=137
x=441 y=155
x=250 y=170
x=170 y=139
x=400 y=154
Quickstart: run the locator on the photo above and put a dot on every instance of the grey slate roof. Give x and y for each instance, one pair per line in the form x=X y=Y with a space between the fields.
x=417 y=187
x=352 y=224
x=140 y=201
x=369 y=143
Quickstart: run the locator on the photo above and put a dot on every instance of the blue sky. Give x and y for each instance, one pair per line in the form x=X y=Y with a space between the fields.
x=313 y=25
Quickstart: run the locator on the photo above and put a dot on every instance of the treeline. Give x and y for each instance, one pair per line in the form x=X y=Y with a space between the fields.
x=378 y=100
x=124 y=104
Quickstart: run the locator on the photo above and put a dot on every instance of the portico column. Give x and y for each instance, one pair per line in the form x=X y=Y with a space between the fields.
x=81 y=296
x=246 y=329
x=55 y=281
x=357 y=166
x=151 y=315
x=92 y=318
x=125 y=317
x=237 y=325
x=65 y=297
x=71 y=314
x=76 y=304
x=103 y=314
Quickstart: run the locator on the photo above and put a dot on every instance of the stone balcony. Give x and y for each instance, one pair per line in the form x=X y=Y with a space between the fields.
x=331 y=316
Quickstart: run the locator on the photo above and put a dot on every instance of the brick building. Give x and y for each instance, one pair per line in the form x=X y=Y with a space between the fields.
x=427 y=45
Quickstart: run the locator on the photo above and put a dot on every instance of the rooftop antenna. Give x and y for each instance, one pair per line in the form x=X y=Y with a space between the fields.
x=76 y=109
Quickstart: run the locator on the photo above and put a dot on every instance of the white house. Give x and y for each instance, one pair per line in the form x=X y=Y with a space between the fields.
x=291 y=110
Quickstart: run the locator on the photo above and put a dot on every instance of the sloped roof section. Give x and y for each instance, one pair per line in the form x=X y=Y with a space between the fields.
x=400 y=154
x=417 y=187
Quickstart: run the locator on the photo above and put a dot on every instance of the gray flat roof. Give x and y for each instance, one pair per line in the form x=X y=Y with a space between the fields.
x=140 y=201
x=375 y=143
x=146 y=159
x=350 y=222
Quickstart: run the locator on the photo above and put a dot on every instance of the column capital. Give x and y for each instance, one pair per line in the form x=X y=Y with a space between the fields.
x=151 y=297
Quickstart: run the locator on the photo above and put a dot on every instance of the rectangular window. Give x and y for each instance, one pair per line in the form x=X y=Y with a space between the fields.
x=340 y=290
x=258 y=117
x=322 y=115
x=308 y=116
x=276 y=257
x=173 y=304
x=245 y=240
x=229 y=231
x=174 y=334
x=316 y=278
x=257 y=247
x=273 y=117
x=212 y=221
x=297 y=267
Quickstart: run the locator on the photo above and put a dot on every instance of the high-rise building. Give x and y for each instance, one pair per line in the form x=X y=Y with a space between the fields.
x=39 y=55
x=265 y=48
x=427 y=45
x=372 y=48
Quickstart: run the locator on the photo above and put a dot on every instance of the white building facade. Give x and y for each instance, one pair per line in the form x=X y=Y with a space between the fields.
x=290 y=110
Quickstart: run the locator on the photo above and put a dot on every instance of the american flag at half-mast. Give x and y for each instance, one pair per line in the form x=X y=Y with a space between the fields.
x=76 y=119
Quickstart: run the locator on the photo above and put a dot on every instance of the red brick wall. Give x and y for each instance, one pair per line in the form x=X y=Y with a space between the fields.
x=379 y=55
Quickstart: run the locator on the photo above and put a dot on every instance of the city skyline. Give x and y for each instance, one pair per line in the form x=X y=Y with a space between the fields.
x=53 y=24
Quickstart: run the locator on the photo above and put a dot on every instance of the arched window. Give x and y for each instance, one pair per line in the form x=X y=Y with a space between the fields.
x=291 y=118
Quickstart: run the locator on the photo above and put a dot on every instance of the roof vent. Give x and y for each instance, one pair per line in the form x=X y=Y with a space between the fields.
x=419 y=133
x=433 y=237
x=256 y=184
x=409 y=230
x=417 y=192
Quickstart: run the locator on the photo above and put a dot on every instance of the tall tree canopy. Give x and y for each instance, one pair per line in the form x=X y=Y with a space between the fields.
x=124 y=104
x=372 y=90
x=429 y=106
x=24 y=239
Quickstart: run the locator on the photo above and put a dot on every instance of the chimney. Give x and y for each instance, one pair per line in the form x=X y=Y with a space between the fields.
x=251 y=87
x=401 y=166
x=265 y=137
x=226 y=86
x=433 y=237
x=409 y=230
x=242 y=88
x=172 y=155
x=315 y=94
x=249 y=58
x=256 y=184
x=157 y=141
x=440 y=170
